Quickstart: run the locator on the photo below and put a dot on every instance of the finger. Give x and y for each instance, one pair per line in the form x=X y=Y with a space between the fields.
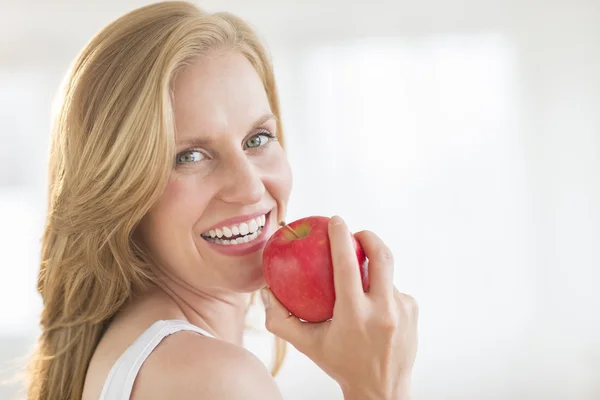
x=381 y=264
x=346 y=273
x=407 y=304
x=279 y=321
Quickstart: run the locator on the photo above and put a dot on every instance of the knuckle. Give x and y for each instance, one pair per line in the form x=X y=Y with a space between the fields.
x=388 y=322
x=409 y=305
x=387 y=317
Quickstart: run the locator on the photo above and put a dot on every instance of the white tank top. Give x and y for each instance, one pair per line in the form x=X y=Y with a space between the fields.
x=119 y=383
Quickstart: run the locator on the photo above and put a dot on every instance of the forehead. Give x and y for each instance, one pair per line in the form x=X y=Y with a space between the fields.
x=217 y=93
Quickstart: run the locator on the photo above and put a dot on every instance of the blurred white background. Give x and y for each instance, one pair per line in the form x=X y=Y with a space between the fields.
x=466 y=133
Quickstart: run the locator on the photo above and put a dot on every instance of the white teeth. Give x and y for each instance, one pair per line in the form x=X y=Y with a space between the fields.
x=240 y=240
x=252 y=226
x=249 y=231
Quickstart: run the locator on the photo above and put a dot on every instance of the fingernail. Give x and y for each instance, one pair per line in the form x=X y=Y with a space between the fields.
x=335 y=220
x=264 y=294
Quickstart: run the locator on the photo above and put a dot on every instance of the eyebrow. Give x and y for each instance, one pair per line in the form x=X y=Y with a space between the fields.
x=205 y=142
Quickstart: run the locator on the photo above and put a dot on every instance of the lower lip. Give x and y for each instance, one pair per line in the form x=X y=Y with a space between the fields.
x=243 y=249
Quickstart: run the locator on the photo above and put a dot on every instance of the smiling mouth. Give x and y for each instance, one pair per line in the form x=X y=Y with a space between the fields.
x=244 y=232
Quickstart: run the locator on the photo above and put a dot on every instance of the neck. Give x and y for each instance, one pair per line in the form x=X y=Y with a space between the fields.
x=219 y=312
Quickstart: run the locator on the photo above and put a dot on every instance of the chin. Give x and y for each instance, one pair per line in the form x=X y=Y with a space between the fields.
x=251 y=281
x=257 y=282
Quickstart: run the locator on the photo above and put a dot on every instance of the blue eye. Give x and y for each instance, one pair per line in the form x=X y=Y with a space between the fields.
x=189 y=156
x=259 y=140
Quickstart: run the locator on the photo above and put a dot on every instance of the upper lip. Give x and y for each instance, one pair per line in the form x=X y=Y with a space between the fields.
x=236 y=220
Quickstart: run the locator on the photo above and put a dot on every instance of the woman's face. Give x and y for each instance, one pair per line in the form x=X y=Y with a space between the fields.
x=231 y=182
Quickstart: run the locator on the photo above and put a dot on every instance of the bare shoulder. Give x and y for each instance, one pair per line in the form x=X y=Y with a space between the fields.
x=186 y=365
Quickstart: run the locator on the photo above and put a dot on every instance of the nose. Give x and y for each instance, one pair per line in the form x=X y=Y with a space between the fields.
x=242 y=181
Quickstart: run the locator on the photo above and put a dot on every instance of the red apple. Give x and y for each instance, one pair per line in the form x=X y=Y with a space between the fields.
x=298 y=268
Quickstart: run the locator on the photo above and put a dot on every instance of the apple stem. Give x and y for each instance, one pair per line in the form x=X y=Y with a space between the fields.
x=282 y=223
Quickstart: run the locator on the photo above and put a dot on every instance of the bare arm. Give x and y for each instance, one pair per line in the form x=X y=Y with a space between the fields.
x=188 y=366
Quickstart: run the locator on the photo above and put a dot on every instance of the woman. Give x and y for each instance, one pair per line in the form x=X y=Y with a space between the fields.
x=167 y=176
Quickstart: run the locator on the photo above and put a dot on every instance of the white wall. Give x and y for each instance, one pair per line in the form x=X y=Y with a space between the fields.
x=465 y=133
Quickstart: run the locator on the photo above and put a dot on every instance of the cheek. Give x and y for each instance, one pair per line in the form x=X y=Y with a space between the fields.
x=168 y=229
x=278 y=177
x=177 y=199
x=179 y=207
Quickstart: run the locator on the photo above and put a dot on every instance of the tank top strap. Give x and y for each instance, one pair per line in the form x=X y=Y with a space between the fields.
x=119 y=383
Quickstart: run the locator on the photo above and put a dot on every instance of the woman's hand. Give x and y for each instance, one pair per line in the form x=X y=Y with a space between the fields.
x=369 y=346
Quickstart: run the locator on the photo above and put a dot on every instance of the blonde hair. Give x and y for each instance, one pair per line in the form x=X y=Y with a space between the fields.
x=112 y=151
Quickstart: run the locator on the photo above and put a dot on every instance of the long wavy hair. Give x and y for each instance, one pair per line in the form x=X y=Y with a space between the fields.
x=111 y=156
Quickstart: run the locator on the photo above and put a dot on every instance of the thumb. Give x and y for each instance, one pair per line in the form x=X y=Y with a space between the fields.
x=279 y=321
